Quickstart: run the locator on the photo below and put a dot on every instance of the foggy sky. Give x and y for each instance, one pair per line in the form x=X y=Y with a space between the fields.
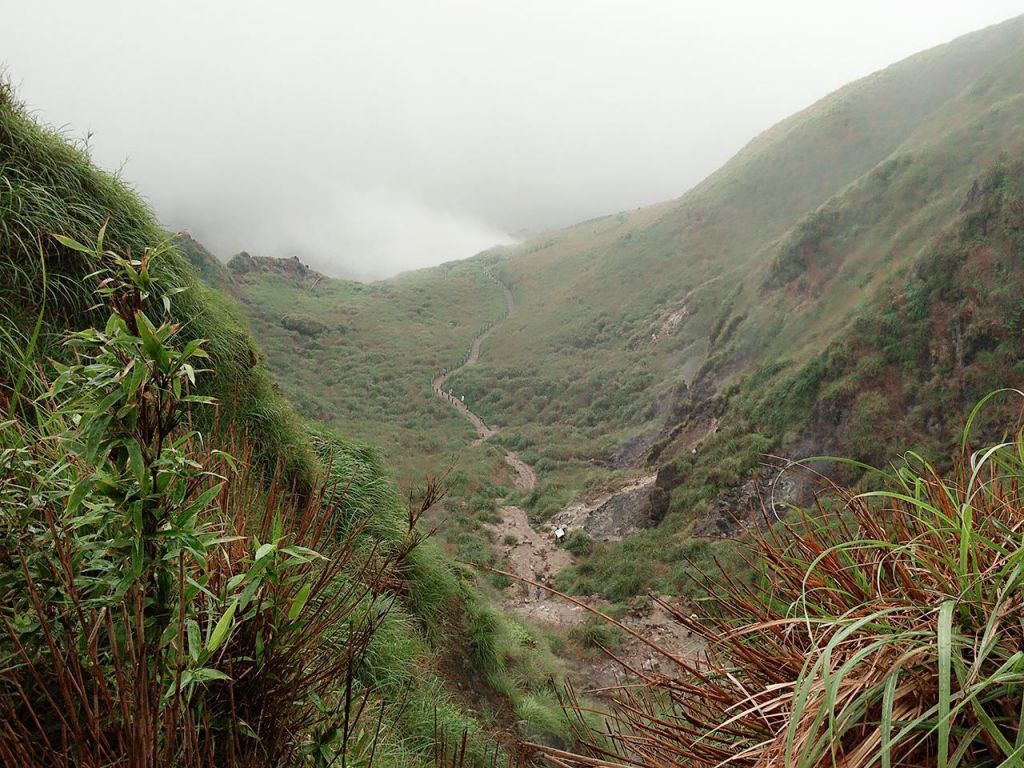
x=372 y=137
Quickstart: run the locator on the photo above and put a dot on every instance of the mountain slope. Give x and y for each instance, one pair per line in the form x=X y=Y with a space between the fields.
x=356 y=356
x=444 y=662
x=694 y=336
x=621 y=313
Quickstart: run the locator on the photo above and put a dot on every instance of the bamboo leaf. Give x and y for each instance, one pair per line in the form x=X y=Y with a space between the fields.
x=299 y=603
x=220 y=632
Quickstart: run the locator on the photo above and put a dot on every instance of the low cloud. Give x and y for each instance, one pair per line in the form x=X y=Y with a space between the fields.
x=363 y=235
x=369 y=138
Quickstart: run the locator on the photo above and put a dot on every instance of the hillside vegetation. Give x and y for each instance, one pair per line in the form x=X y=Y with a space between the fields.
x=160 y=493
x=627 y=319
x=847 y=283
x=206 y=560
x=884 y=632
x=356 y=357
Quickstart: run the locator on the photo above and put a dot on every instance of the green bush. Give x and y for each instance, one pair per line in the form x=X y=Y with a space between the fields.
x=163 y=603
x=595 y=632
x=579 y=543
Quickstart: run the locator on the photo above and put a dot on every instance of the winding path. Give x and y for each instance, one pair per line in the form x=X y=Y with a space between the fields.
x=526 y=477
x=533 y=555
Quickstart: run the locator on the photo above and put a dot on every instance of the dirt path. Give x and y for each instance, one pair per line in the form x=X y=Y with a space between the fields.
x=534 y=555
x=526 y=477
x=483 y=431
x=530 y=554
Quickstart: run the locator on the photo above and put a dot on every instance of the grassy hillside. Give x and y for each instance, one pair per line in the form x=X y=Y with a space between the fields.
x=762 y=311
x=877 y=634
x=357 y=357
x=444 y=663
x=902 y=377
x=50 y=187
x=620 y=313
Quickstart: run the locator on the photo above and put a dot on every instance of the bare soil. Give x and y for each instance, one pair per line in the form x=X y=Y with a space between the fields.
x=577 y=514
x=526 y=477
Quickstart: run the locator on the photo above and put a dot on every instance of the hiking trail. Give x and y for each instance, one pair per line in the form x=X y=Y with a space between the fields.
x=534 y=554
x=526 y=478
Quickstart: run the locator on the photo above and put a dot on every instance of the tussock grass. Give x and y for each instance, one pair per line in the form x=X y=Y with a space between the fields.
x=48 y=185
x=886 y=634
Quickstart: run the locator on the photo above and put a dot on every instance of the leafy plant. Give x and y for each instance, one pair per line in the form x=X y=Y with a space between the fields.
x=579 y=543
x=159 y=603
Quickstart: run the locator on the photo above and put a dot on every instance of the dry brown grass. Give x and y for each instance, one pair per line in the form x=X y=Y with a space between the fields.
x=87 y=697
x=886 y=634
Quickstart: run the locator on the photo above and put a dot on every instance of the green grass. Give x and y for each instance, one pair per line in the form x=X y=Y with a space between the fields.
x=596 y=633
x=763 y=265
x=780 y=291
x=897 y=374
x=380 y=346
x=48 y=186
x=847 y=191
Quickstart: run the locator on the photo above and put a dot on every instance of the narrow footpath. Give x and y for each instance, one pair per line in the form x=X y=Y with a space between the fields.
x=535 y=556
x=526 y=478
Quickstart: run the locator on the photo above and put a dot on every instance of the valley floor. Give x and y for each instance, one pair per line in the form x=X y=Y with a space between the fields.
x=534 y=558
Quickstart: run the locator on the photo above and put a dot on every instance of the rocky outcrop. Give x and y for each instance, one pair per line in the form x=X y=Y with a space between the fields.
x=627 y=513
x=243 y=262
x=775 y=489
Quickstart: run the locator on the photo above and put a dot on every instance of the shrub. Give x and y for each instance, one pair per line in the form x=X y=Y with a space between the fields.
x=302 y=325
x=579 y=543
x=157 y=601
x=595 y=633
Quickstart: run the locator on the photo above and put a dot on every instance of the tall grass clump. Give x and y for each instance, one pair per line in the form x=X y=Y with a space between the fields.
x=162 y=603
x=49 y=184
x=887 y=633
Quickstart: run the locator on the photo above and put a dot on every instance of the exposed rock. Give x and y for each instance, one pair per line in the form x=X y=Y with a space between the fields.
x=760 y=501
x=627 y=513
x=973 y=196
x=639 y=449
x=292 y=268
x=630 y=452
x=647 y=510
x=304 y=326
